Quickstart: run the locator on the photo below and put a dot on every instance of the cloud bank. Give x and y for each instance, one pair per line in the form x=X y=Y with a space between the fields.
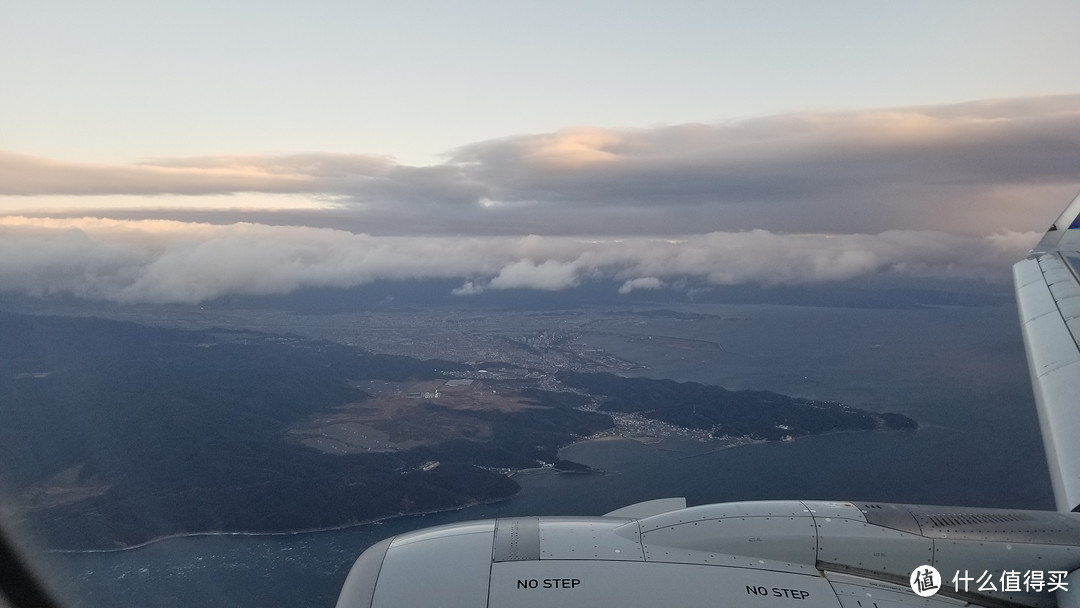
x=157 y=261
x=972 y=168
x=945 y=191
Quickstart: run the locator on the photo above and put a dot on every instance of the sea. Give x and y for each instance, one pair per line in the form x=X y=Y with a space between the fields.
x=959 y=371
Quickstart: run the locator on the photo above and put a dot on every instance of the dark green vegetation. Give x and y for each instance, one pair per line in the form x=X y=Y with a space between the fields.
x=112 y=434
x=754 y=414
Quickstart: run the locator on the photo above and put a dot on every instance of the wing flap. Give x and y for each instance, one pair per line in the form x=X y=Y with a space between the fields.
x=1048 y=299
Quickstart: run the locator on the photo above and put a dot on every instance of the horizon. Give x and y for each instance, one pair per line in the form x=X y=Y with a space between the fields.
x=185 y=153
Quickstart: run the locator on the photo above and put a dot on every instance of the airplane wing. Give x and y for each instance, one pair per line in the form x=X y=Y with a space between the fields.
x=1048 y=297
x=785 y=554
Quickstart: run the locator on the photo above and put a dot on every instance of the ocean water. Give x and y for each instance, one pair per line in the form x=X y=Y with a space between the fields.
x=959 y=372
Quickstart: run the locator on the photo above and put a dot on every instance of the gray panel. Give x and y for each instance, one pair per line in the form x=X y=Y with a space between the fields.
x=468 y=527
x=437 y=567
x=1066 y=292
x=969 y=558
x=1052 y=343
x=857 y=592
x=589 y=584
x=763 y=508
x=359 y=587
x=597 y=538
x=820 y=508
x=1054 y=363
x=1056 y=273
x=1032 y=295
x=1073 y=324
x=1073 y=260
x=658 y=554
x=517 y=539
x=1070 y=241
x=1059 y=419
x=1051 y=263
x=784 y=542
x=649 y=508
x=1025 y=272
x=1069 y=305
x=1004 y=525
x=1063 y=288
x=848 y=544
x=897 y=517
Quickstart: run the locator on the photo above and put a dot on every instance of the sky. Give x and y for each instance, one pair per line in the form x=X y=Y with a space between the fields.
x=176 y=152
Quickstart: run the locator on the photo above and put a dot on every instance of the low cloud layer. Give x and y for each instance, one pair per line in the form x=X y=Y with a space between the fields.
x=176 y=262
x=945 y=191
x=972 y=168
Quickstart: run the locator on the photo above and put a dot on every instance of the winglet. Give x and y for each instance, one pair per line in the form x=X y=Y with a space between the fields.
x=1066 y=225
x=1048 y=299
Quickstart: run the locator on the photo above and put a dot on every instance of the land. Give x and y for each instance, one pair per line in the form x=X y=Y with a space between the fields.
x=114 y=432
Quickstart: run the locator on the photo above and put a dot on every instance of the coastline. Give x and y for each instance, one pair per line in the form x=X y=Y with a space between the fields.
x=367 y=522
x=655 y=442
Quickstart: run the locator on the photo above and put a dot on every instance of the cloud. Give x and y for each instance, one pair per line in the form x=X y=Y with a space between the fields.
x=954 y=167
x=640 y=283
x=972 y=168
x=549 y=275
x=29 y=176
x=469 y=288
x=157 y=261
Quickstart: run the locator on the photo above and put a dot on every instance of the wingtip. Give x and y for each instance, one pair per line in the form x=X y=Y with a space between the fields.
x=1064 y=233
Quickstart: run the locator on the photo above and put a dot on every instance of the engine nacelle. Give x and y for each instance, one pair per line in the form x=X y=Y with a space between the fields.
x=775 y=554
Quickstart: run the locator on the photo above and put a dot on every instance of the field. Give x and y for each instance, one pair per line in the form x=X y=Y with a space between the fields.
x=403 y=415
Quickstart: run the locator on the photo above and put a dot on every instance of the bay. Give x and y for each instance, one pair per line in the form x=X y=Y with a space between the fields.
x=959 y=372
